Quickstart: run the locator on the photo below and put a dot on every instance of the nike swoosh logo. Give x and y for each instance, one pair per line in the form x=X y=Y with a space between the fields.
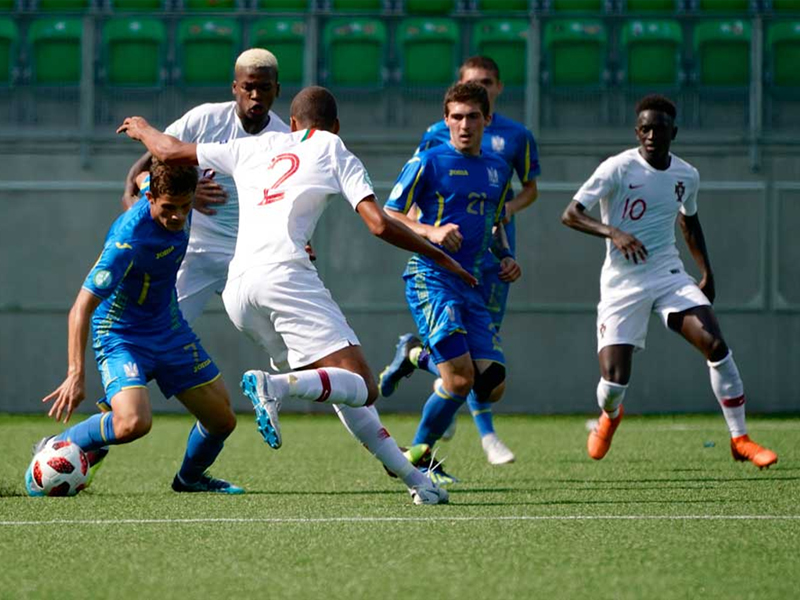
x=634 y=187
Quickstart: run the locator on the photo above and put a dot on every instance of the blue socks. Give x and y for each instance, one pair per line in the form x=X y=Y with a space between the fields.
x=437 y=415
x=93 y=433
x=481 y=414
x=202 y=449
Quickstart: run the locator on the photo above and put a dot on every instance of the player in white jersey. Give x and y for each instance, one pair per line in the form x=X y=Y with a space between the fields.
x=216 y=216
x=274 y=294
x=641 y=192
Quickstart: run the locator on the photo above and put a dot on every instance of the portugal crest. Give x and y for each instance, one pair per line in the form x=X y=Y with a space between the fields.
x=680 y=190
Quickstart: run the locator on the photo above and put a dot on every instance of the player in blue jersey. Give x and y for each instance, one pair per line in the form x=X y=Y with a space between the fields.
x=459 y=190
x=139 y=334
x=516 y=144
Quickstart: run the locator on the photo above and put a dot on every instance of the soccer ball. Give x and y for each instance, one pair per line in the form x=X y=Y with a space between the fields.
x=60 y=469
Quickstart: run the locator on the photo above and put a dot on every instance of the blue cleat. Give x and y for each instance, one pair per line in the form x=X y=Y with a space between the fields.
x=255 y=385
x=206 y=483
x=401 y=366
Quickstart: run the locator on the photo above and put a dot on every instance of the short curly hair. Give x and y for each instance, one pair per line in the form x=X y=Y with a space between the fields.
x=657 y=102
x=172 y=180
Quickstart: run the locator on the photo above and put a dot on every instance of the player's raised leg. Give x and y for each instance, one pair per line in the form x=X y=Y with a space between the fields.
x=211 y=405
x=699 y=326
x=615 y=370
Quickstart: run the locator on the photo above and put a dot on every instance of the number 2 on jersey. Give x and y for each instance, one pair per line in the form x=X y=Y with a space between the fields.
x=270 y=195
x=635 y=210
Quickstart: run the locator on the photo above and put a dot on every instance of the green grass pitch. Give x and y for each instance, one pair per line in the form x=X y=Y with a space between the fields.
x=665 y=515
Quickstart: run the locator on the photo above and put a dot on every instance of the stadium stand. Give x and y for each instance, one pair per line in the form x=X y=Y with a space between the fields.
x=575 y=52
x=55 y=51
x=640 y=6
x=502 y=6
x=137 y=5
x=133 y=51
x=356 y=51
x=357 y=5
x=283 y=5
x=651 y=51
x=427 y=48
x=505 y=40
x=209 y=5
x=784 y=6
x=722 y=53
x=430 y=7
x=783 y=54
x=7 y=5
x=62 y=5
x=206 y=49
x=586 y=6
x=727 y=6
x=284 y=37
x=9 y=40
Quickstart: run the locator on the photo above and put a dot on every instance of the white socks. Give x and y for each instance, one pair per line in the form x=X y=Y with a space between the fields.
x=365 y=425
x=610 y=396
x=331 y=384
x=729 y=390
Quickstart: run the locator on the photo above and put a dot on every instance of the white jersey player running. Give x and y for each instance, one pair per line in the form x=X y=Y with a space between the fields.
x=216 y=216
x=274 y=293
x=641 y=192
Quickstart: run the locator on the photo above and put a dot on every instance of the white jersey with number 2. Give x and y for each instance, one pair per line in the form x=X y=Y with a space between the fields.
x=285 y=182
x=644 y=202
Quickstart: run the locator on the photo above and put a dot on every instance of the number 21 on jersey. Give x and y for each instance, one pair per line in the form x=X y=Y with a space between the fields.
x=270 y=193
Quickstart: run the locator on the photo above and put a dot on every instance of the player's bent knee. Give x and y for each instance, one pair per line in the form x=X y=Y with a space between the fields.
x=131 y=427
x=490 y=385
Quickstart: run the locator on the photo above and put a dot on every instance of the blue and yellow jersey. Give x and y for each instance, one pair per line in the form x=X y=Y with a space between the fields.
x=135 y=277
x=451 y=187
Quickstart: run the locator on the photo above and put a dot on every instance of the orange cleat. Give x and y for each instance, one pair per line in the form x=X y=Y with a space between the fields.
x=599 y=440
x=743 y=448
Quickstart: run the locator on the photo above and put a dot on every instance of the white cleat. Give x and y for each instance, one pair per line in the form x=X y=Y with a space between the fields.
x=497 y=453
x=429 y=493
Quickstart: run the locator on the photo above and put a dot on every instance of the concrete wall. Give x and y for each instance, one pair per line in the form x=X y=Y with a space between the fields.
x=50 y=240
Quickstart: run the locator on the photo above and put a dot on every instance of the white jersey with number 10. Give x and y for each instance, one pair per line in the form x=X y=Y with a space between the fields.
x=644 y=202
x=284 y=182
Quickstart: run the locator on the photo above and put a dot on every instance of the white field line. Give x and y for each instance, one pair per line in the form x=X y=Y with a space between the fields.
x=444 y=519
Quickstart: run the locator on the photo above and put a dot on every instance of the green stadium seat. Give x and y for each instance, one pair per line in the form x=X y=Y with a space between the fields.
x=357 y=5
x=6 y=5
x=429 y=7
x=504 y=40
x=56 y=51
x=723 y=5
x=503 y=6
x=285 y=38
x=137 y=5
x=575 y=52
x=428 y=50
x=783 y=53
x=786 y=6
x=207 y=49
x=575 y=5
x=722 y=53
x=283 y=5
x=133 y=51
x=9 y=38
x=209 y=5
x=652 y=5
x=62 y=5
x=652 y=52
x=356 y=51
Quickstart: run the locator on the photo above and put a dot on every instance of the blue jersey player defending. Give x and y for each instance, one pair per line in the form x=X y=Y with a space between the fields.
x=516 y=145
x=139 y=333
x=459 y=190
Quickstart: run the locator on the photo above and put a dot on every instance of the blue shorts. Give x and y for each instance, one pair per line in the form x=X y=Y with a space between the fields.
x=176 y=360
x=443 y=305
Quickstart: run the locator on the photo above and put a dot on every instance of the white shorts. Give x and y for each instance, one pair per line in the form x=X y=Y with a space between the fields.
x=624 y=311
x=203 y=272
x=287 y=310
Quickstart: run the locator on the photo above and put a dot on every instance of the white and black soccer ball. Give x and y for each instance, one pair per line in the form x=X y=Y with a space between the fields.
x=60 y=469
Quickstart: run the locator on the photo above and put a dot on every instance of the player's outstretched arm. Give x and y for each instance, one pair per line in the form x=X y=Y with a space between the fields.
x=72 y=390
x=448 y=236
x=576 y=218
x=392 y=230
x=696 y=242
x=164 y=147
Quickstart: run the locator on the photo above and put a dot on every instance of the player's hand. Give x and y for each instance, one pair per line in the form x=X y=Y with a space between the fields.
x=707 y=286
x=629 y=245
x=133 y=127
x=447 y=236
x=208 y=194
x=310 y=251
x=66 y=397
x=452 y=265
x=510 y=270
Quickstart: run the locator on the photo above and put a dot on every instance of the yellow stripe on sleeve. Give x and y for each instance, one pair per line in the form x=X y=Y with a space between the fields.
x=410 y=198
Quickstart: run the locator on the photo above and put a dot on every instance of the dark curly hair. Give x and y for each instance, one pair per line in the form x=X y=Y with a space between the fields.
x=657 y=102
